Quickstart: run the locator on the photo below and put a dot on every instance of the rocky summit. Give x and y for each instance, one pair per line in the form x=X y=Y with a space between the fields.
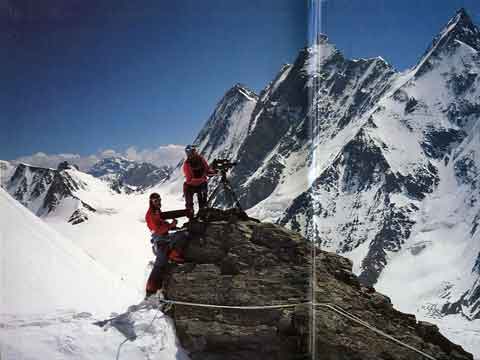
x=247 y=263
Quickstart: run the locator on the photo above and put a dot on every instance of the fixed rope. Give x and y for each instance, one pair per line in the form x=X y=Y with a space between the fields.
x=329 y=306
x=356 y=319
x=173 y=302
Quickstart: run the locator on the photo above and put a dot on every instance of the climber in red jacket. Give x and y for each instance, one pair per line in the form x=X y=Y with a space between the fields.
x=165 y=247
x=196 y=171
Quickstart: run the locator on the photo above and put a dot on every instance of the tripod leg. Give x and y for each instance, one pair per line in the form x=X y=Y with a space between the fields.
x=229 y=190
x=212 y=195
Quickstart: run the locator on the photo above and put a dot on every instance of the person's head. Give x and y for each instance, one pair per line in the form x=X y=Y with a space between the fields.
x=155 y=200
x=190 y=150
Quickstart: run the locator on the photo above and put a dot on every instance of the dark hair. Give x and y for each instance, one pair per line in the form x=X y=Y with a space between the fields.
x=154 y=196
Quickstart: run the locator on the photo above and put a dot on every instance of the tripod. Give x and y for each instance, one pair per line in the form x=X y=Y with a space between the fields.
x=227 y=189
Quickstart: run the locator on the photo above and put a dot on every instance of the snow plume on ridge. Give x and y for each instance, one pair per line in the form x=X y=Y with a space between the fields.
x=47 y=272
x=163 y=155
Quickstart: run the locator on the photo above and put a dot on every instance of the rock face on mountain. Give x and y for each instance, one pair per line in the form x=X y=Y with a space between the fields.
x=246 y=263
x=227 y=127
x=121 y=172
x=41 y=189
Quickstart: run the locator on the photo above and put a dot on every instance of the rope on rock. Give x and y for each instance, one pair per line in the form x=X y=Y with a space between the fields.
x=235 y=307
x=354 y=318
x=332 y=307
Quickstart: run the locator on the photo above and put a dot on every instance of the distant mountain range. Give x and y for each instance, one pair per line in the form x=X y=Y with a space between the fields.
x=120 y=171
x=72 y=194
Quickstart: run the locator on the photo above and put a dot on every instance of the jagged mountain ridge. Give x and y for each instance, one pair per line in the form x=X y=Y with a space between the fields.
x=121 y=172
x=56 y=192
x=72 y=194
x=379 y=148
x=368 y=207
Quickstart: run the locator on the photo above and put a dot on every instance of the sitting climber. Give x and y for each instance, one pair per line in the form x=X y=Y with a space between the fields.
x=166 y=247
x=196 y=171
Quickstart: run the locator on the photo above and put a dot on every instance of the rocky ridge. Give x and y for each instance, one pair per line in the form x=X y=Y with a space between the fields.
x=246 y=263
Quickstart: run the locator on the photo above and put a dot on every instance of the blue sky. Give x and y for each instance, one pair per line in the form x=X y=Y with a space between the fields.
x=399 y=31
x=143 y=75
x=84 y=75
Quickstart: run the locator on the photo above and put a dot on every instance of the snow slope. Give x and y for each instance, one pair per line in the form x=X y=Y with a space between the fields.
x=116 y=235
x=52 y=293
x=43 y=271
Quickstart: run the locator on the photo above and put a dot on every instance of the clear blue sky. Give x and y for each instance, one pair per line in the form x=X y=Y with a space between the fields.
x=84 y=75
x=399 y=31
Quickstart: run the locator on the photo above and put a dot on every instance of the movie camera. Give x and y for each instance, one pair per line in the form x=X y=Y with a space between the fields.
x=222 y=165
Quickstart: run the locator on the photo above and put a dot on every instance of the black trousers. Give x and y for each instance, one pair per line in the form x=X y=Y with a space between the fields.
x=161 y=248
x=202 y=195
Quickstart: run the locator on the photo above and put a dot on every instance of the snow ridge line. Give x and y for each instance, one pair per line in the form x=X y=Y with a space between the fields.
x=329 y=306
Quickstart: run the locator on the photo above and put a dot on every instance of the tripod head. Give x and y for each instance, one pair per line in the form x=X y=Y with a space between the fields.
x=222 y=165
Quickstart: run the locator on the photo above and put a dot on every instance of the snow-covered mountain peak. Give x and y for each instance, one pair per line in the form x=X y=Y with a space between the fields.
x=459 y=27
x=462 y=21
x=241 y=89
x=227 y=127
x=322 y=39
x=65 y=165
x=123 y=173
x=459 y=32
x=110 y=165
x=318 y=54
x=66 y=192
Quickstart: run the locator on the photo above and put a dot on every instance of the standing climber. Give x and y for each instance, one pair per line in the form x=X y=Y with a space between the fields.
x=165 y=246
x=196 y=171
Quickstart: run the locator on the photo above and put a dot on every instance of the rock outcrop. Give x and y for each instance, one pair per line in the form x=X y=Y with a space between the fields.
x=246 y=263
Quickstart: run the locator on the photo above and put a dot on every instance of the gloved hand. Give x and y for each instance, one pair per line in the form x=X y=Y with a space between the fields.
x=174 y=223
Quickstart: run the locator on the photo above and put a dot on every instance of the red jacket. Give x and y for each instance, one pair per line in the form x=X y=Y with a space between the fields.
x=156 y=223
x=196 y=170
